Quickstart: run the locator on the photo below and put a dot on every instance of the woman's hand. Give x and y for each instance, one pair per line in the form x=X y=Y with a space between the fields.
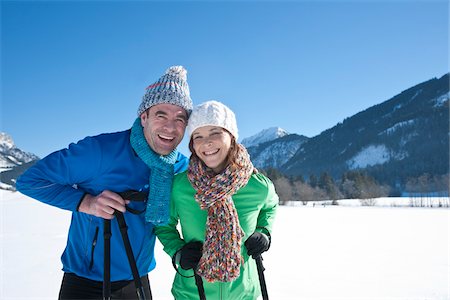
x=190 y=255
x=257 y=243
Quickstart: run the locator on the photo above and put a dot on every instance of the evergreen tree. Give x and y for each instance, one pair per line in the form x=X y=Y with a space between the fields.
x=313 y=181
x=326 y=183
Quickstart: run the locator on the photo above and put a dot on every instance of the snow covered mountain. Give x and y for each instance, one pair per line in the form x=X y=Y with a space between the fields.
x=403 y=137
x=10 y=155
x=276 y=152
x=13 y=161
x=265 y=135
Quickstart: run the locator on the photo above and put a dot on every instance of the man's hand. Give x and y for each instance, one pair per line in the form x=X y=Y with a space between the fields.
x=103 y=205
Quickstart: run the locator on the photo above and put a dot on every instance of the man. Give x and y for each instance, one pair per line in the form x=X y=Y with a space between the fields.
x=89 y=177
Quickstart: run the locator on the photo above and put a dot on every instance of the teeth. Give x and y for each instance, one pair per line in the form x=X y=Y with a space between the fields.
x=211 y=152
x=166 y=137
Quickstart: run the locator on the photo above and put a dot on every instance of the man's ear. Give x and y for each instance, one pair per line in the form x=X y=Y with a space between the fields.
x=144 y=117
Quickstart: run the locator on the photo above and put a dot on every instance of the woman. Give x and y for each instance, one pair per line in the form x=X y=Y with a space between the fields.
x=225 y=209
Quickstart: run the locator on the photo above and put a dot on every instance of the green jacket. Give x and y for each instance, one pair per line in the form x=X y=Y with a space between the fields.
x=256 y=204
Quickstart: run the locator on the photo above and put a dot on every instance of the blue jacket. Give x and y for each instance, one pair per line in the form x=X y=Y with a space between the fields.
x=95 y=164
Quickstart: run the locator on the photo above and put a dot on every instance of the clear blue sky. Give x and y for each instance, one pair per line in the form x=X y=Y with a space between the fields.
x=72 y=69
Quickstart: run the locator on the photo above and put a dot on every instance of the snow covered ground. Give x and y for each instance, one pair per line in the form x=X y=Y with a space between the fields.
x=321 y=252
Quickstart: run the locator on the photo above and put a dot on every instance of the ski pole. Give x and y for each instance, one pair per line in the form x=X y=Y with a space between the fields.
x=126 y=241
x=107 y=260
x=262 y=280
x=136 y=196
x=200 y=288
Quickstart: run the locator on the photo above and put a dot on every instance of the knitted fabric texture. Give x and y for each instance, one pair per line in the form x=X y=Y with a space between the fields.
x=171 y=88
x=161 y=176
x=221 y=257
x=212 y=113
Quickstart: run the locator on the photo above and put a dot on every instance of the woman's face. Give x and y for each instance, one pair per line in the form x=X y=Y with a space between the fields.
x=212 y=144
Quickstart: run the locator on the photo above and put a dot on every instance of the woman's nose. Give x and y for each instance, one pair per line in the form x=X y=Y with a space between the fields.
x=207 y=141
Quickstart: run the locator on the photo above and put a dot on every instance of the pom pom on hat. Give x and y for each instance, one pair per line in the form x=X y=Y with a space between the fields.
x=212 y=113
x=171 y=88
x=177 y=71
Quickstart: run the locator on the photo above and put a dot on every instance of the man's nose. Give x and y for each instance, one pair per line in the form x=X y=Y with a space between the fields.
x=170 y=125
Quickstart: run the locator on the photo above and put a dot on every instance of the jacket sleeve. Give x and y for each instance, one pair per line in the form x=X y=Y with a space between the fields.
x=182 y=163
x=268 y=211
x=168 y=235
x=55 y=179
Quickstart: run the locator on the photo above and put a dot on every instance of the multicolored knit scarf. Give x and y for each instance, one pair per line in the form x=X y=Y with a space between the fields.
x=221 y=258
x=161 y=176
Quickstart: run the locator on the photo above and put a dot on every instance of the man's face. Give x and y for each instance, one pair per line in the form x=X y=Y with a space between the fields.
x=164 y=126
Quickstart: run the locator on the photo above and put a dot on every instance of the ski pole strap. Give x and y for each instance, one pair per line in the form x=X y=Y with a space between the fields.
x=126 y=241
x=200 y=288
x=198 y=278
x=107 y=260
x=262 y=280
x=174 y=264
x=134 y=196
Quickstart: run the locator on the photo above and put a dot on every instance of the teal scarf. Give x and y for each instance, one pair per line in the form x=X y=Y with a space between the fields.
x=161 y=176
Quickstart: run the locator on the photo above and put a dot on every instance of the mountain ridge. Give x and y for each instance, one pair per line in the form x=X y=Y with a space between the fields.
x=404 y=136
x=265 y=135
x=13 y=161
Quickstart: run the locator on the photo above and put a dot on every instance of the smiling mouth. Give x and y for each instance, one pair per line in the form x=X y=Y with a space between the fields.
x=166 y=138
x=212 y=152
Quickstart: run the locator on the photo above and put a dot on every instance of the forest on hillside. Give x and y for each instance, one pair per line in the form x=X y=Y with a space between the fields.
x=353 y=185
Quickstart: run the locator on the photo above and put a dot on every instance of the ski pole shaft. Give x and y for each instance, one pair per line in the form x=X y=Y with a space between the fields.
x=262 y=280
x=200 y=288
x=131 y=260
x=107 y=260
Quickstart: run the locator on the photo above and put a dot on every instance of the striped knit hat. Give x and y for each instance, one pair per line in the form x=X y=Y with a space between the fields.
x=171 y=88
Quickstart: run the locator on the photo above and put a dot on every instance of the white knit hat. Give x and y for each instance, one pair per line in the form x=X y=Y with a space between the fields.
x=171 y=88
x=212 y=113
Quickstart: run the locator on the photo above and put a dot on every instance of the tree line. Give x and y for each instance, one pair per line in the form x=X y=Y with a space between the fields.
x=351 y=185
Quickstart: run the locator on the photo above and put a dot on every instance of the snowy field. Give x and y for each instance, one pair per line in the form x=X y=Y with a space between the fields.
x=343 y=252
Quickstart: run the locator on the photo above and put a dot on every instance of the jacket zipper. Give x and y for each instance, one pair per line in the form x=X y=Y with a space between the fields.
x=94 y=243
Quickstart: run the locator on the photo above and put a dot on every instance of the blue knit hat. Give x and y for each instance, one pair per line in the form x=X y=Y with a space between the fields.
x=171 y=88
